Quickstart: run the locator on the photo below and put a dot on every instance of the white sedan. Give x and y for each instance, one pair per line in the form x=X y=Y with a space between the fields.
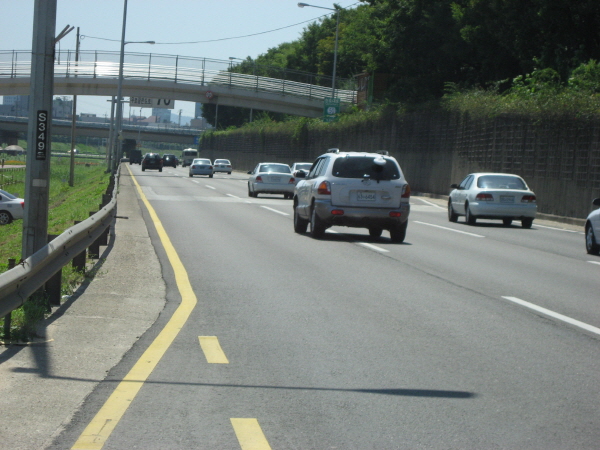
x=592 y=230
x=200 y=166
x=497 y=196
x=222 y=165
x=11 y=207
x=271 y=178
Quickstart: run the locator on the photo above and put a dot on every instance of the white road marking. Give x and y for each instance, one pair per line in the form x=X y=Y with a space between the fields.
x=231 y=195
x=210 y=187
x=594 y=262
x=555 y=315
x=196 y=181
x=433 y=204
x=374 y=247
x=275 y=211
x=449 y=229
x=557 y=229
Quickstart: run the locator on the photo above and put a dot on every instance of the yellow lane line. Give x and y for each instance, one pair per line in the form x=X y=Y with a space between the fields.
x=249 y=434
x=99 y=429
x=212 y=350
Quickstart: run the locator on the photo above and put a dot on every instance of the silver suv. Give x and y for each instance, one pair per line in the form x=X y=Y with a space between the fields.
x=353 y=189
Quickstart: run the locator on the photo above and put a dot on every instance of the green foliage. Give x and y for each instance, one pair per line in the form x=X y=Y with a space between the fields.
x=66 y=205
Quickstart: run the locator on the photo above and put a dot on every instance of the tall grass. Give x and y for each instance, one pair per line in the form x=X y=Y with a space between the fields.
x=66 y=205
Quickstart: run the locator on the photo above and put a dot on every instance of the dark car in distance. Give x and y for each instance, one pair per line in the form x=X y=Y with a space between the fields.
x=152 y=161
x=170 y=160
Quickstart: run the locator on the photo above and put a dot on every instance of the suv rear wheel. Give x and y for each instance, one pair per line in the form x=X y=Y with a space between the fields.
x=398 y=233
x=317 y=227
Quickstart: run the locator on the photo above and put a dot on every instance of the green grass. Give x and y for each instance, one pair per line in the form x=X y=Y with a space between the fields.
x=66 y=205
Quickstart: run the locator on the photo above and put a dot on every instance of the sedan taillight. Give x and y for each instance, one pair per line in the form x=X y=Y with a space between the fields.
x=292 y=181
x=528 y=199
x=23 y=205
x=259 y=179
x=324 y=188
x=483 y=197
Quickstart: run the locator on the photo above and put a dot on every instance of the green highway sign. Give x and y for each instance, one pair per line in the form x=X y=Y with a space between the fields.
x=331 y=109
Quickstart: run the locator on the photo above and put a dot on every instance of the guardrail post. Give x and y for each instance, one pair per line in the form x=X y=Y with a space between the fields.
x=103 y=238
x=94 y=249
x=53 y=285
x=8 y=317
x=78 y=261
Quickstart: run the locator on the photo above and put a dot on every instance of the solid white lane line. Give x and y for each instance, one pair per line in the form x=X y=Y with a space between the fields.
x=449 y=229
x=557 y=229
x=373 y=247
x=594 y=262
x=275 y=211
x=555 y=315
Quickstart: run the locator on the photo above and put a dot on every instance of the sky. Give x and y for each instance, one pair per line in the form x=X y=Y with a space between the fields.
x=216 y=29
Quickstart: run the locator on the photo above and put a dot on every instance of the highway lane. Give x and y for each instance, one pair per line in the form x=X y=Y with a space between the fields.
x=355 y=343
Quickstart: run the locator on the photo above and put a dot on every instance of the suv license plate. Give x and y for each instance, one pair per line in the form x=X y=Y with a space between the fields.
x=366 y=196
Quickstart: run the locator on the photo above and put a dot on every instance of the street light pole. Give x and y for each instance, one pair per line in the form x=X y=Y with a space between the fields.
x=335 y=49
x=117 y=138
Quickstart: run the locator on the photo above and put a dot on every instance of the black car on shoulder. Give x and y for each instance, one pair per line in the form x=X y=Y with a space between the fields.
x=152 y=161
x=170 y=160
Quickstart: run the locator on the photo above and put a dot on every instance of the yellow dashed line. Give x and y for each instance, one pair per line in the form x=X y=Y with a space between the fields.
x=212 y=350
x=249 y=434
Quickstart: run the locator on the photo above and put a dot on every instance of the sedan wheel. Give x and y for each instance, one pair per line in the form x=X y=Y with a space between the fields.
x=506 y=222
x=526 y=223
x=300 y=224
x=471 y=219
x=250 y=193
x=317 y=227
x=452 y=216
x=5 y=218
x=591 y=244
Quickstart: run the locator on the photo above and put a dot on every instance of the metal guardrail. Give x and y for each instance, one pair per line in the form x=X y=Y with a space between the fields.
x=180 y=69
x=20 y=282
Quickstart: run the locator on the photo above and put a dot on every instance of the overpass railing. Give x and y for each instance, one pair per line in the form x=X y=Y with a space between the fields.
x=181 y=69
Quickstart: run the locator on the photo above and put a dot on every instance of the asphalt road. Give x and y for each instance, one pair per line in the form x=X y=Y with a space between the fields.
x=350 y=342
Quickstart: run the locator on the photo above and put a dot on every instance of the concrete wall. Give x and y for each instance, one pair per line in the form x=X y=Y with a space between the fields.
x=559 y=159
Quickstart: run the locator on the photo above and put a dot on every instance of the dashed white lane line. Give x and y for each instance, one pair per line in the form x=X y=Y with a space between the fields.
x=208 y=186
x=275 y=211
x=449 y=229
x=555 y=315
x=232 y=196
x=594 y=262
x=373 y=247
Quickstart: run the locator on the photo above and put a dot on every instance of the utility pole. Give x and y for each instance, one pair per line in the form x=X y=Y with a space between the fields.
x=35 y=219
x=74 y=122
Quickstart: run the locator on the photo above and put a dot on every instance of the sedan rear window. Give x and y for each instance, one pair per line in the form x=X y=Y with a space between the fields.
x=500 y=182
x=278 y=168
x=365 y=167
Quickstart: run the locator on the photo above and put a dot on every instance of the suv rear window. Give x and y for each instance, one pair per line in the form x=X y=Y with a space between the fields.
x=363 y=166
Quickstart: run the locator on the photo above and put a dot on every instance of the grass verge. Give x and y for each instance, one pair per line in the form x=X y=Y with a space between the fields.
x=66 y=205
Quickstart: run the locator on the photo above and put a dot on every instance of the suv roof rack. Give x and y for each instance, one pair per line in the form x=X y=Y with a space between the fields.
x=383 y=152
x=333 y=150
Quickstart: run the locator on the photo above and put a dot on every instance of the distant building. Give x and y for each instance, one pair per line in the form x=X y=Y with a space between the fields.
x=198 y=111
x=162 y=115
x=18 y=105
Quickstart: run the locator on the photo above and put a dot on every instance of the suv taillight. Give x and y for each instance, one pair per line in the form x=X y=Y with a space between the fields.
x=406 y=193
x=324 y=188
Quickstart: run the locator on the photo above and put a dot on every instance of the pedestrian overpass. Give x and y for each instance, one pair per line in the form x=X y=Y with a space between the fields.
x=173 y=77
